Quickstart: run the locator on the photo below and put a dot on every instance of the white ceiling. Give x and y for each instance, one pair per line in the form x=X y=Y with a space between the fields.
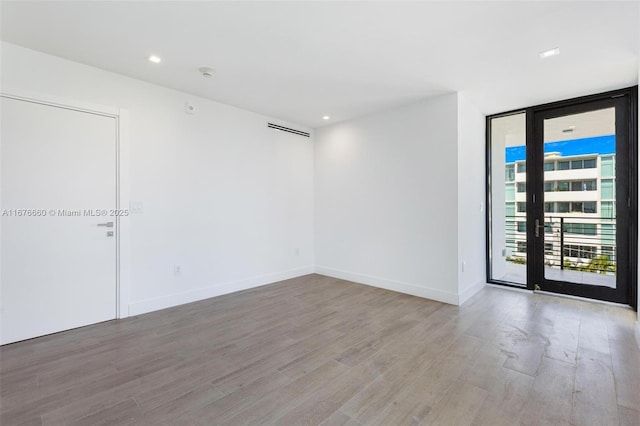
x=301 y=60
x=590 y=124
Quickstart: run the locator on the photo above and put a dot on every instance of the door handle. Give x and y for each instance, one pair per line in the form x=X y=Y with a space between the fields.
x=106 y=224
x=538 y=226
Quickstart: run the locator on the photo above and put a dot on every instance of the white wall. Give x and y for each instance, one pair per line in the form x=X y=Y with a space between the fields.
x=387 y=199
x=471 y=199
x=227 y=199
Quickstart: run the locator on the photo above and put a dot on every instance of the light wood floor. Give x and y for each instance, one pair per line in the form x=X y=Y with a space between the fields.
x=317 y=350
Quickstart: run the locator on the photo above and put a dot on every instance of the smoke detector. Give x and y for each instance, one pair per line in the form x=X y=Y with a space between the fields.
x=206 y=71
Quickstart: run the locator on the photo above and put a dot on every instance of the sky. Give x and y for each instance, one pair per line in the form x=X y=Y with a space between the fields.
x=597 y=145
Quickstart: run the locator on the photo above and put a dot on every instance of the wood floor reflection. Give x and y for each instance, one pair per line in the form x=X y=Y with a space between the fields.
x=318 y=350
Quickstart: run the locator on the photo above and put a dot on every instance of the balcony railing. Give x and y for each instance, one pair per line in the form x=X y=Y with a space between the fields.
x=578 y=243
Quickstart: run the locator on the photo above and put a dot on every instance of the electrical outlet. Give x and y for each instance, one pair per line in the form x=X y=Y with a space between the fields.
x=177 y=269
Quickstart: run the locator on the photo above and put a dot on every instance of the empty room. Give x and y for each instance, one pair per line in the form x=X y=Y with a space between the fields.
x=319 y=213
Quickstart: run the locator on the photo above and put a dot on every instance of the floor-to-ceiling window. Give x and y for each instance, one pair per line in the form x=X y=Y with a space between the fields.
x=508 y=204
x=562 y=181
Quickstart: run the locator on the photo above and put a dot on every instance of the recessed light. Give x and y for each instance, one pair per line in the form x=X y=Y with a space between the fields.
x=548 y=53
x=326 y=117
x=155 y=59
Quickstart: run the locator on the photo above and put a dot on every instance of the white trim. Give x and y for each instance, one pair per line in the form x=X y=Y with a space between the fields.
x=168 y=301
x=470 y=292
x=124 y=222
x=407 y=288
x=58 y=101
x=122 y=178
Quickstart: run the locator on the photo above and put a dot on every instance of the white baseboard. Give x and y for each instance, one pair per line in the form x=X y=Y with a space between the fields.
x=150 y=305
x=471 y=291
x=400 y=287
x=638 y=333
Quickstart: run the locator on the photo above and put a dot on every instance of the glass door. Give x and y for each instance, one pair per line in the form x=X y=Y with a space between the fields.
x=578 y=185
x=562 y=190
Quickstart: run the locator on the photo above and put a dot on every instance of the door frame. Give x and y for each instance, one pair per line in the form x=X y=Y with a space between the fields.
x=123 y=223
x=632 y=253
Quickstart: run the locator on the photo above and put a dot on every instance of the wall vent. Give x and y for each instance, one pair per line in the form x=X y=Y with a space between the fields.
x=287 y=129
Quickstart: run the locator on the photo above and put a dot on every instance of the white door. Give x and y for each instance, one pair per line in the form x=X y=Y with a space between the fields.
x=58 y=173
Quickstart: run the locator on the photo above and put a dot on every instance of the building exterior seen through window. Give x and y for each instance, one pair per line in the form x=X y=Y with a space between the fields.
x=579 y=203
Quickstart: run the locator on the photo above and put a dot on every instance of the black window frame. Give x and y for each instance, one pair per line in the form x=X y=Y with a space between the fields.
x=629 y=126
